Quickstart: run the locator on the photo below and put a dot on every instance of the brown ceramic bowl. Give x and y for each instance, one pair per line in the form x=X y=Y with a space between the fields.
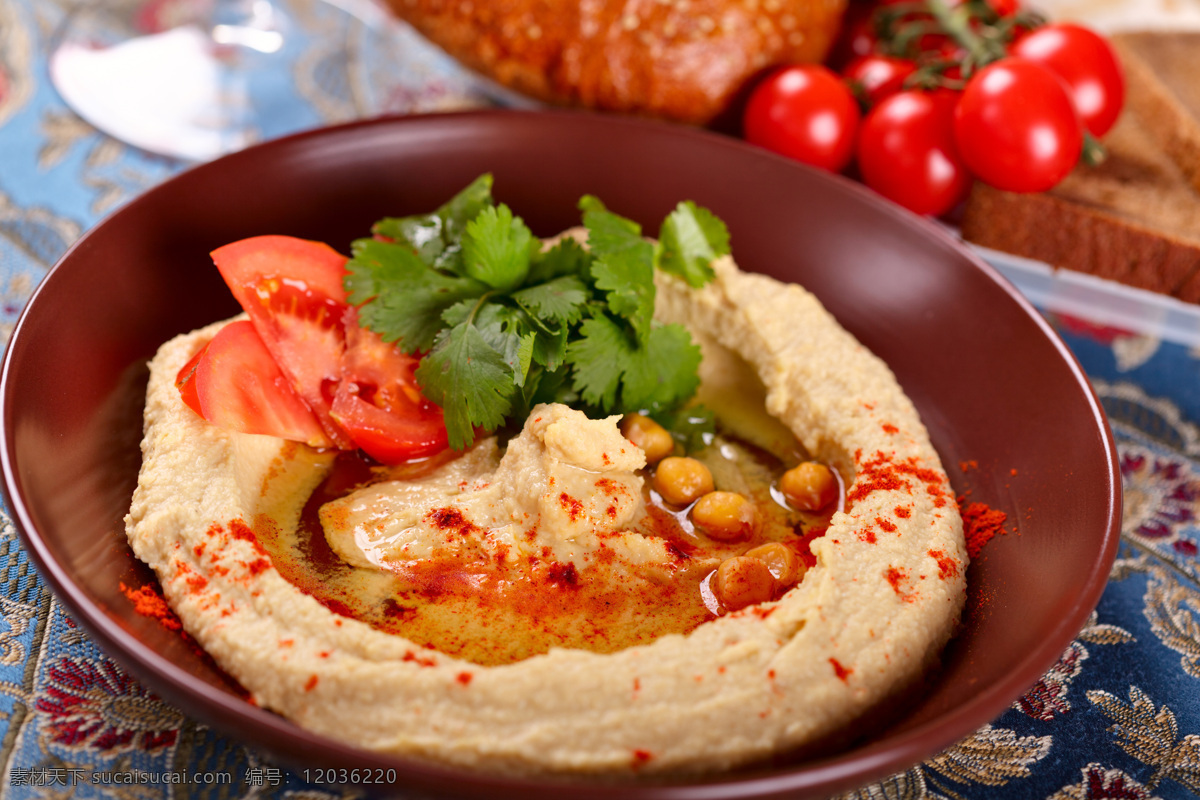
x=993 y=383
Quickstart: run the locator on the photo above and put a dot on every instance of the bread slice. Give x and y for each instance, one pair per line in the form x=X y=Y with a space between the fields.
x=1135 y=218
x=1162 y=73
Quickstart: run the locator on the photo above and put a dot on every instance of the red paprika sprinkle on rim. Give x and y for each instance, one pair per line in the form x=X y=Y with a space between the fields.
x=149 y=603
x=981 y=523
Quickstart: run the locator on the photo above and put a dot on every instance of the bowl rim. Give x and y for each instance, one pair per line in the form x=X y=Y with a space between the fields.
x=840 y=771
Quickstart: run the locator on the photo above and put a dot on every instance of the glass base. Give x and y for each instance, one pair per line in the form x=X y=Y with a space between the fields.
x=195 y=79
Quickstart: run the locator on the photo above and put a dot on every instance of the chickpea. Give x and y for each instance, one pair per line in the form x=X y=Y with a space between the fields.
x=725 y=516
x=682 y=480
x=809 y=486
x=780 y=559
x=647 y=434
x=741 y=582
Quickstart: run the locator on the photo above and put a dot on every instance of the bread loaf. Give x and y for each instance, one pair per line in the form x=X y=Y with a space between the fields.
x=1134 y=218
x=683 y=60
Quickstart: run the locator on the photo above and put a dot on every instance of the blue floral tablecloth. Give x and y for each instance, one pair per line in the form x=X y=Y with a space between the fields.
x=1117 y=717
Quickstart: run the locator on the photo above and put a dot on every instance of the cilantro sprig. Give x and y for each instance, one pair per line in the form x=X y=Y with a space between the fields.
x=504 y=325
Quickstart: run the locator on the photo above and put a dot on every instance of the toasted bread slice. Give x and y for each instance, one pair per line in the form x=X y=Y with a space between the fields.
x=1162 y=71
x=1135 y=218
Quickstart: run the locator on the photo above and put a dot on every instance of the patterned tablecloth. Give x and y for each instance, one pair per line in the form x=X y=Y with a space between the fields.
x=1117 y=717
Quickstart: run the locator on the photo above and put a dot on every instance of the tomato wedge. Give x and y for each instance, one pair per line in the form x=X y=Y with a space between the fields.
x=292 y=290
x=234 y=383
x=379 y=403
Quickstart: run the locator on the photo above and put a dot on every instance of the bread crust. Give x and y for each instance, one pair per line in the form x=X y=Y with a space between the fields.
x=1082 y=238
x=683 y=60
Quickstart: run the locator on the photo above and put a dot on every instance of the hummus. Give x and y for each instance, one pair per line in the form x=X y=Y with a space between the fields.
x=683 y=690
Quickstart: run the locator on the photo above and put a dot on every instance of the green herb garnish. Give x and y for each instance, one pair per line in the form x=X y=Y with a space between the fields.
x=504 y=325
x=693 y=426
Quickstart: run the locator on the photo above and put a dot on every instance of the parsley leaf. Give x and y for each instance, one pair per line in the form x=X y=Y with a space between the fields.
x=662 y=374
x=597 y=357
x=466 y=206
x=399 y=296
x=435 y=237
x=566 y=257
x=469 y=379
x=559 y=300
x=624 y=265
x=507 y=330
x=497 y=248
x=690 y=239
x=550 y=348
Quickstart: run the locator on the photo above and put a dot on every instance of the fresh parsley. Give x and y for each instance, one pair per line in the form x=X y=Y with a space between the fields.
x=504 y=324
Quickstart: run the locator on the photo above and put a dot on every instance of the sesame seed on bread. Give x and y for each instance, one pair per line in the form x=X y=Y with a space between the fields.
x=685 y=60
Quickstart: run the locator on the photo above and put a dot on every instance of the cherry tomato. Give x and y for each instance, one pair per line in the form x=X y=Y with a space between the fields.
x=856 y=37
x=805 y=112
x=879 y=76
x=1016 y=127
x=1088 y=65
x=234 y=383
x=379 y=403
x=292 y=291
x=906 y=152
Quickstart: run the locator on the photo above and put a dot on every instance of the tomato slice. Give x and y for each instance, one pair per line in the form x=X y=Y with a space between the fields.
x=234 y=383
x=186 y=384
x=292 y=290
x=379 y=403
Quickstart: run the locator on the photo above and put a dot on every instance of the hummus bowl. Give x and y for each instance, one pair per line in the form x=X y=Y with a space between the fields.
x=1007 y=408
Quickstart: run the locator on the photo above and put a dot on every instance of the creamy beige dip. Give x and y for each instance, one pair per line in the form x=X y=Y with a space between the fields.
x=868 y=619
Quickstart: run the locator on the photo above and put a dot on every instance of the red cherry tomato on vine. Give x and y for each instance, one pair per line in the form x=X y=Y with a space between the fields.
x=806 y=112
x=1086 y=63
x=906 y=152
x=879 y=76
x=856 y=37
x=1016 y=127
